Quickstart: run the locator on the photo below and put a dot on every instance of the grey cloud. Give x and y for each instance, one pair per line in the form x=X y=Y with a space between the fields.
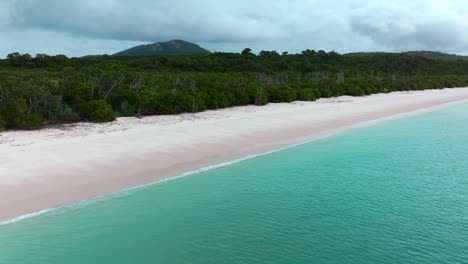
x=106 y=26
x=141 y=20
x=429 y=25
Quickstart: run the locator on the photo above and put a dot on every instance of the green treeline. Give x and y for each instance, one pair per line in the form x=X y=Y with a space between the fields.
x=41 y=90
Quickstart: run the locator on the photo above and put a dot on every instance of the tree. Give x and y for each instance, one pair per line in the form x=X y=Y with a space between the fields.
x=263 y=83
x=13 y=56
x=309 y=52
x=18 y=59
x=2 y=123
x=306 y=95
x=12 y=109
x=354 y=90
x=28 y=121
x=127 y=109
x=247 y=52
x=99 y=111
x=265 y=53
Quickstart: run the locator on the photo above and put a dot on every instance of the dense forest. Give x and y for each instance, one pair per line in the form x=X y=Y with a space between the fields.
x=44 y=90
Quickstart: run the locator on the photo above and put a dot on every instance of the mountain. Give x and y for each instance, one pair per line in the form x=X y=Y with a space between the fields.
x=173 y=47
x=434 y=55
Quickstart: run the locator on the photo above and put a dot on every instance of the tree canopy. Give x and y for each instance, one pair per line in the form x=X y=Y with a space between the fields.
x=41 y=90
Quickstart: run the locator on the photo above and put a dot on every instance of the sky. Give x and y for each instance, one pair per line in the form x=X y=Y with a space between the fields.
x=85 y=27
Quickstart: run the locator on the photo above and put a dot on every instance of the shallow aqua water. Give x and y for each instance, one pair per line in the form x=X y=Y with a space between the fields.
x=396 y=192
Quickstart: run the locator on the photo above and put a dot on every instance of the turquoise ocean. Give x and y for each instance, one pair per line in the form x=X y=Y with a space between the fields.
x=394 y=192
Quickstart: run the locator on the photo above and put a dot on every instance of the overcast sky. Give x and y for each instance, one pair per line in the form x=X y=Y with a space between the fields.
x=81 y=27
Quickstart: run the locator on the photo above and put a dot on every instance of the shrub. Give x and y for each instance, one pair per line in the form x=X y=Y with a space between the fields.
x=325 y=93
x=2 y=123
x=28 y=121
x=353 y=90
x=126 y=109
x=261 y=98
x=66 y=114
x=99 y=111
x=306 y=95
x=281 y=94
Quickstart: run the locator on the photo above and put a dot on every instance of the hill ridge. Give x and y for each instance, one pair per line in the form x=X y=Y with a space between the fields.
x=172 y=47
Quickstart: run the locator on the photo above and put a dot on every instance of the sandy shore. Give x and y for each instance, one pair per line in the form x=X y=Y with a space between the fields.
x=59 y=166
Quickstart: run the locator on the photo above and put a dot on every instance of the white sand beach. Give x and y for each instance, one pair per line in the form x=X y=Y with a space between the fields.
x=58 y=166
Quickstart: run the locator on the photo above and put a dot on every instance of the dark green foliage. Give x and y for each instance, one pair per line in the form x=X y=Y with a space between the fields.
x=306 y=95
x=56 y=89
x=127 y=109
x=247 y=52
x=16 y=113
x=2 y=123
x=27 y=121
x=261 y=98
x=98 y=111
x=355 y=90
x=66 y=114
x=18 y=116
x=281 y=94
x=434 y=55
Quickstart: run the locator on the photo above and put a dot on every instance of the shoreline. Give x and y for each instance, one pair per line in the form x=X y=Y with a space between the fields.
x=78 y=163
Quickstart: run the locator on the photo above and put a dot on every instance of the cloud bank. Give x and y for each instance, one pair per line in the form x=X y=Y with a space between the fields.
x=106 y=26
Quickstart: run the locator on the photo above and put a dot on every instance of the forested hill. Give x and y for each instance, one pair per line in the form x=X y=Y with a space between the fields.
x=437 y=55
x=41 y=90
x=173 y=47
x=425 y=54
